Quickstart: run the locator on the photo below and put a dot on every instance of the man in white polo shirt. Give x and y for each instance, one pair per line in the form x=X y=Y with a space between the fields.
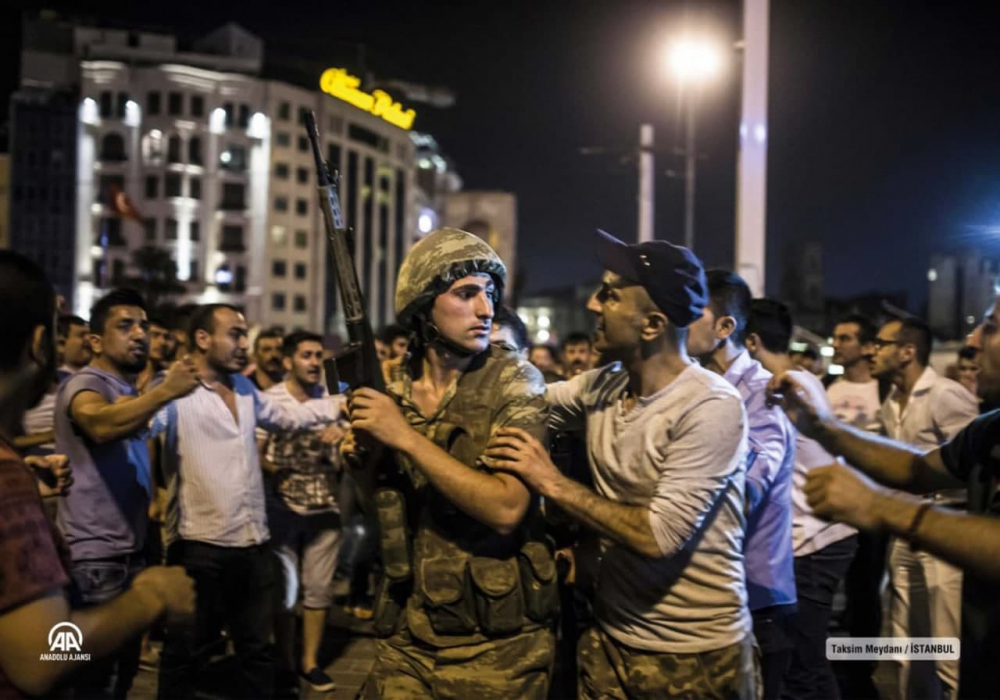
x=667 y=445
x=925 y=410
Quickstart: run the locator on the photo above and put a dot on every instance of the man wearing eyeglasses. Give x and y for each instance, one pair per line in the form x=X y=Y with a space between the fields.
x=923 y=409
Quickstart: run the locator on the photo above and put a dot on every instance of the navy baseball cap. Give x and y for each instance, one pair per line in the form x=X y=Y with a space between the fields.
x=672 y=275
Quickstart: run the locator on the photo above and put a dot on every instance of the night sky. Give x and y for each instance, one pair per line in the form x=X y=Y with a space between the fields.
x=884 y=117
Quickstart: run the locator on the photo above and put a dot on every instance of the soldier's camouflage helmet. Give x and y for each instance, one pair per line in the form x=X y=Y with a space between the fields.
x=434 y=263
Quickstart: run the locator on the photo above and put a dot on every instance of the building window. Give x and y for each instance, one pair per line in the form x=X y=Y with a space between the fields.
x=303 y=143
x=303 y=113
x=174 y=149
x=278 y=268
x=284 y=111
x=283 y=139
x=232 y=239
x=301 y=239
x=241 y=278
x=281 y=171
x=278 y=301
x=149 y=225
x=233 y=158
x=107 y=105
x=152 y=148
x=113 y=148
x=336 y=124
x=122 y=104
x=172 y=185
x=193 y=271
x=301 y=207
x=232 y=196
x=152 y=186
x=170 y=231
x=368 y=137
x=152 y=103
x=281 y=203
x=175 y=104
x=117 y=272
x=300 y=271
x=194 y=150
x=197 y=106
x=194 y=185
x=244 y=116
x=279 y=236
x=302 y=176
x=224 y=277
x=107 y=187
x=194 y=231
x=300 y=303
x=333 y=155
x=228 y=109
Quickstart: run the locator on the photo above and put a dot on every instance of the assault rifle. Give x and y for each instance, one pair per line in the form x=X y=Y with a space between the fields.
x=357 y=363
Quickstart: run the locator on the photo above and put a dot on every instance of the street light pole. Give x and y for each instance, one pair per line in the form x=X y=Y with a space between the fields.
x=690 y=167
x=646 y=183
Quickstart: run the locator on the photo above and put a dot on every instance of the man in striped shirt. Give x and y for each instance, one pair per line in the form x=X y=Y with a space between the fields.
x=216 y=521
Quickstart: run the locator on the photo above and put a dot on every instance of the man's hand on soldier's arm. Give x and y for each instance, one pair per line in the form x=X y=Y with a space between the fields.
x=55 y=475
x=516 y=451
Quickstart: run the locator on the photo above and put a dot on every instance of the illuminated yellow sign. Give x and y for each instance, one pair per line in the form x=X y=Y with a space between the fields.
x=344 y=86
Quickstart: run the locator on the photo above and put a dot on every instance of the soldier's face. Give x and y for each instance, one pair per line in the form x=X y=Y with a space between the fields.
x=464 y=313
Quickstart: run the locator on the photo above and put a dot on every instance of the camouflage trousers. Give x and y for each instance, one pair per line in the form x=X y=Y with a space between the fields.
x=500 y=669
x=608 y=669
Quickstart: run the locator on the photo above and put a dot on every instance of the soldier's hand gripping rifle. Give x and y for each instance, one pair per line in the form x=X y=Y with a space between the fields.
x=358 y=364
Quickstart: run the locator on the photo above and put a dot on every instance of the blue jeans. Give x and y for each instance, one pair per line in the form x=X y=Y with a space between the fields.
x=96 y=581
x=817 y=576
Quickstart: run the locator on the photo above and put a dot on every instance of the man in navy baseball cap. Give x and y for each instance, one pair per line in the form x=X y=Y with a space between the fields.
x=672 y=276
x=666 y=445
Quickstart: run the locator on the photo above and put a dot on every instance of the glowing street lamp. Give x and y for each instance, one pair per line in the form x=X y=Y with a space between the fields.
x=693 y=61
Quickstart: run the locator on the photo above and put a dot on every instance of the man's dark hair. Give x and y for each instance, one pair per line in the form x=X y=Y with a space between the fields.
x=553 y=352
x=267 y=333
x=180 y=319
x=729 y=295
x=576 y=339
x=391 y=332
x=505 y=316
x=914 y=331
x=123 y=296
x=28 y=300
x=292 y=341
x=203 y=319
x=968 y=353
x=66 y=322
x=771 y=321
x=866 y=328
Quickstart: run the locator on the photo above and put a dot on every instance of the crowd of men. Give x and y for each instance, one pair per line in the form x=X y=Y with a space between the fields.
x=665 y=507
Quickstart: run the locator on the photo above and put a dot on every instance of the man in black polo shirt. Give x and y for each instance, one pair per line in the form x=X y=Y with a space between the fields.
x=970 y=540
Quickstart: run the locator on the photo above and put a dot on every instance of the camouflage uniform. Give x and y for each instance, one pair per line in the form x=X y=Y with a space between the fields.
x=474 y=619
x=609 y=669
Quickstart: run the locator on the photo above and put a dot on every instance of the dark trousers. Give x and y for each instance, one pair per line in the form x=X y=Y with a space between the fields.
x=864 y=607
x=817 y=576
x=234 y=586
x=97 y=581
x=772 y=629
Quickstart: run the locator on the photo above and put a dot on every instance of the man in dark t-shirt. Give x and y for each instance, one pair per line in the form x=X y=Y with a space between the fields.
x=968 y=539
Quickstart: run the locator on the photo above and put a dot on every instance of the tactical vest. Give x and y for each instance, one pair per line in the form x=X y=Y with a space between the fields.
x=449 y=579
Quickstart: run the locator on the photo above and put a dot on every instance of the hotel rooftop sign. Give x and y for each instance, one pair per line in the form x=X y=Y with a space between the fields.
x=344 y=86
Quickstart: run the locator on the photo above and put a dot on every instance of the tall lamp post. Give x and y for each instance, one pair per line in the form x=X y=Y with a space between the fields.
x=693 y=61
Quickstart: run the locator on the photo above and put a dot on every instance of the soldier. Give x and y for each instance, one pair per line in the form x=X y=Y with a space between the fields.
x=469 y=613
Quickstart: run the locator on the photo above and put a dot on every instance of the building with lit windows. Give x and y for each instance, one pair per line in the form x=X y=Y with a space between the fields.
x=199 y=153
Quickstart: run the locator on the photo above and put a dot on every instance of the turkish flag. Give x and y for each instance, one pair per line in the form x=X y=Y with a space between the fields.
x=123 y=206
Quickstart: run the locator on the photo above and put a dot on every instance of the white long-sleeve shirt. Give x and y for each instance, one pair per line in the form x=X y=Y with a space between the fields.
x=214 y=483
x=681 y=453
